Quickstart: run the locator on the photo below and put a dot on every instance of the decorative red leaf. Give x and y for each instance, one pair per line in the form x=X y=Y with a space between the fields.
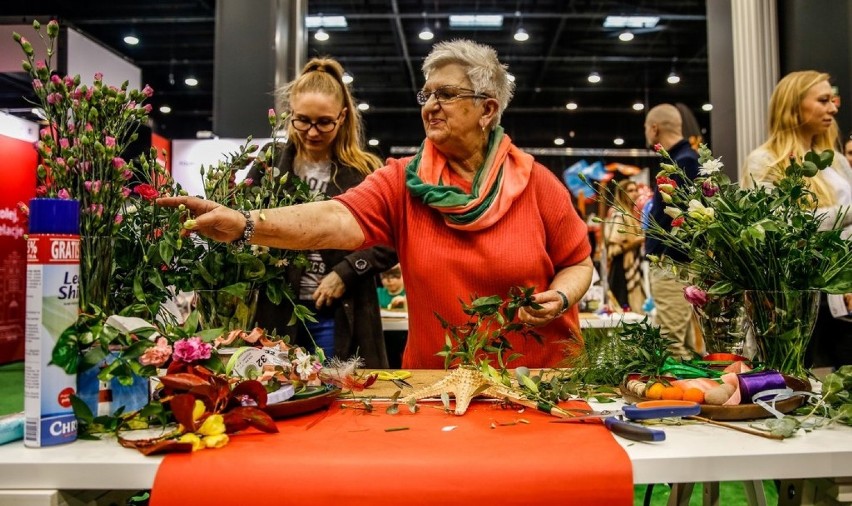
x=250 y=416
x=234 y=422
x=370 y=380
x=182 y=406
x=155 y=445
x=183 y=381
x=251 y=388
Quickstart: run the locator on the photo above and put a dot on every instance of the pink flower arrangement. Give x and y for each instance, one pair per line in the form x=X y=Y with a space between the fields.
x=192 y=349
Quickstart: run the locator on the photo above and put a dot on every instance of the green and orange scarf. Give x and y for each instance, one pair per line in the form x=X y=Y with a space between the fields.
x=502 y=177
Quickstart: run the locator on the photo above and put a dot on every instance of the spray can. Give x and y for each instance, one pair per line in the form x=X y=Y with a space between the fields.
x=53 y=287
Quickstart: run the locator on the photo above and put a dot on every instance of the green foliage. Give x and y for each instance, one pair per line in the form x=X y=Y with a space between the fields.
x=752 y=239
x=485 y=334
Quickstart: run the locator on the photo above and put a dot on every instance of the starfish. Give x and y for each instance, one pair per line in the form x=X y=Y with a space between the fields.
x=465 y=383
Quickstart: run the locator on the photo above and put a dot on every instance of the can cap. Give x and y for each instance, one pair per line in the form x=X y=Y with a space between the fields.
x=54 y=216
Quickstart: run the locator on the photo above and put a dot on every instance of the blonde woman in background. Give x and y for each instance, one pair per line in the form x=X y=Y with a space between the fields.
x=801 y=119
x=624 y=241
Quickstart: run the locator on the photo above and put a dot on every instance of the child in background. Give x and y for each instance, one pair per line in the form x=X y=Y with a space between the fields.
x=392 y=291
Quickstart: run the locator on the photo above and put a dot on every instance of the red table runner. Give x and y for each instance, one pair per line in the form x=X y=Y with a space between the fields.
x=346 y=456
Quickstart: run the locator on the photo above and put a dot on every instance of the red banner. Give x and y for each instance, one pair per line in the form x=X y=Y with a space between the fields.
x=18 y=160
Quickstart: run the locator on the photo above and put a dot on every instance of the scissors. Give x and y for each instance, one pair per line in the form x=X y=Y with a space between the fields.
x=647 y=410
x=397 y=377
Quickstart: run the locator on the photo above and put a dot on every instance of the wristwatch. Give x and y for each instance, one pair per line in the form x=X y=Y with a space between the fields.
x=248 y=232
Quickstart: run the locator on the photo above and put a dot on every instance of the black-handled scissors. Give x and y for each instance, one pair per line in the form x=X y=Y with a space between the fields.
x=647 y=410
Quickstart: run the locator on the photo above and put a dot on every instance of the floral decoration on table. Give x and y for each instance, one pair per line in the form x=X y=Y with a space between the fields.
x=762 y=248
x=228 y=280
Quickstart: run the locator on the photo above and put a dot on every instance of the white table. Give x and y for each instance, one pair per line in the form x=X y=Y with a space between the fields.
x=693 y=453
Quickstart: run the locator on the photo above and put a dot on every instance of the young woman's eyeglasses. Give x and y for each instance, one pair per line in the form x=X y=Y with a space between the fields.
x=323 y=125
x=446 y=94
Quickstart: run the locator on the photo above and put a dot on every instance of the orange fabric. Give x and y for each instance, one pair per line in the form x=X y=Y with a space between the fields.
x=345 y=456
x=540 y=235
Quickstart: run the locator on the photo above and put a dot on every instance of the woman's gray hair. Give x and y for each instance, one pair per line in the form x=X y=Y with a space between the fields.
x=486 y=73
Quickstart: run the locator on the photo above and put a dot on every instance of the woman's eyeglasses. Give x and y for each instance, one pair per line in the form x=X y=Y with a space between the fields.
x=323 y=125
x=446 y=94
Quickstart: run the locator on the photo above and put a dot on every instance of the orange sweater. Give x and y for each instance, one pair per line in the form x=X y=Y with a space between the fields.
x=540 y=235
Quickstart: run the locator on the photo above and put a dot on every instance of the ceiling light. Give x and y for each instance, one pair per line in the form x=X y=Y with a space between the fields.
x=426 y=34
x=476 y=21
x=618 y=141
x=205 y=134
x=165 y=109
x=625 y=36
x=347 y=78
x=521 y=35
x=363 y=106
x=631 y=21
x=191 y=81
x=594 y=77
x=321 y=35
x=673 y=78
x=326 y=22
x=131 y=40
x=559 y=141
x=373 y=142
x=571 y=106
x=707 y=107
x=638 y=106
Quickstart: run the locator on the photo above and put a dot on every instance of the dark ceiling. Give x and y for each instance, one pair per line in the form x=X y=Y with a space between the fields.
x=381 y=49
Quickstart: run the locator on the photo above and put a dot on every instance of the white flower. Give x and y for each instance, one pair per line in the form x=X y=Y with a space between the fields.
x=303 y=364
x=259 y=250
x=698 y=211
x=710 y=167
x=282 y=263
x=672 y=212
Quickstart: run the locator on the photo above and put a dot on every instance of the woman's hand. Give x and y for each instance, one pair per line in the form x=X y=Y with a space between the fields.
x=331 y=287
x=208 y=218
x=552 y=306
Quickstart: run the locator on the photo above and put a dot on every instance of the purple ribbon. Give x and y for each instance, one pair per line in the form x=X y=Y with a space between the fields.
x=754 y=383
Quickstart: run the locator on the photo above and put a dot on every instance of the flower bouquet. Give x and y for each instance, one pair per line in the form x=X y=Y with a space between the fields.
x=768 y=245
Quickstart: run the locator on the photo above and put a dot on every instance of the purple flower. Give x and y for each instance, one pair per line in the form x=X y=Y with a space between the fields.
x=709 y=189
x=694 y=295
x=192 y=349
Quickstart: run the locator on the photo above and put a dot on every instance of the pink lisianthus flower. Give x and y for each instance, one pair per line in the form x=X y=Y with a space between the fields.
x=118 y=219
x=118 y=162
x=192 y=349
x=147 y=91
x=694 y=295
x=109 y=141
x=64 y=143
x=157 y=355
x=63 y=194
x=99 y=76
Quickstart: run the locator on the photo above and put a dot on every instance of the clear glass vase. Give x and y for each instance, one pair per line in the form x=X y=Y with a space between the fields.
x=723 y=325
x=96 y=269
x=226 y=309
x=782 y=323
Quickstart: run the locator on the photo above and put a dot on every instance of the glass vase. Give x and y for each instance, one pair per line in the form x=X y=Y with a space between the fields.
x=782 y=323
x=723 y=325
x=96 y=267
x=226 y=309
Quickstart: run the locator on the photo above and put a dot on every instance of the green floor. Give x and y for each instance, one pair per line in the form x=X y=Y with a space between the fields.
x=732 y=493
x=11 y=388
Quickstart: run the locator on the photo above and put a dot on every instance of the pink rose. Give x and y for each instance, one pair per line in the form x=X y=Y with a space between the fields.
x=694 y=295
x=192 y=349
x=157 y=355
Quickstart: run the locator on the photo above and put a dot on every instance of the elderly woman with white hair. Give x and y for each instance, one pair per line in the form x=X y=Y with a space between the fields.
x=469 y=213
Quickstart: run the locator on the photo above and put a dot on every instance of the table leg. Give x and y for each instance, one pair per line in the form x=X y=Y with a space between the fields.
x=755 y=495
x=711 y=493
x=680 y=494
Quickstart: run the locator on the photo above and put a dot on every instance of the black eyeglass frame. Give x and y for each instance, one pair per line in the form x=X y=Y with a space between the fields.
x=423 y=97
x=317 y=124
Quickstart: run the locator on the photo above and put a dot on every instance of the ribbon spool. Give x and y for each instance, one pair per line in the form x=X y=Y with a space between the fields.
x=753 y=384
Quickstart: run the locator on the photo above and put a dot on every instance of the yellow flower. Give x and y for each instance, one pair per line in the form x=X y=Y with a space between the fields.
x=216 y=441
x=189 y=437
x=214 y=425
x=198 y=409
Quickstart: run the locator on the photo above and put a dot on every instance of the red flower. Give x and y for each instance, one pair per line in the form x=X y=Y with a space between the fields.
x=658 y=147
x=666 y=180
x=678 y=221
x=146 y=191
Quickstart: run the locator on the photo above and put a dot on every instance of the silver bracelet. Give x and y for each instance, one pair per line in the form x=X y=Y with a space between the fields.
x=248 y=232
